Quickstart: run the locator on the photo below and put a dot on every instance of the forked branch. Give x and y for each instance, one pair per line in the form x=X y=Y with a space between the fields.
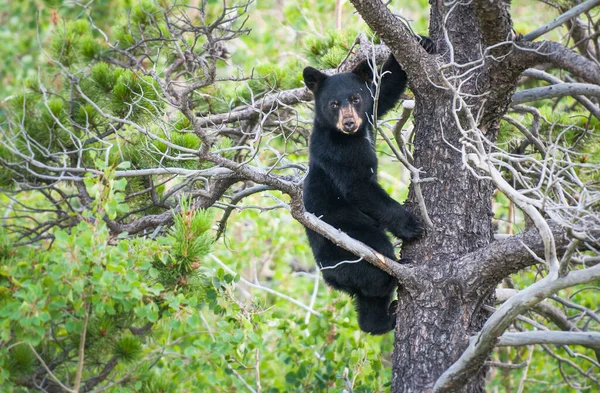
x=420 y=67
x=482 y=343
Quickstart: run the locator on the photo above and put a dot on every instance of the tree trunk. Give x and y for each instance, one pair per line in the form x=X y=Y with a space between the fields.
x=438 y=314
x=435 y=323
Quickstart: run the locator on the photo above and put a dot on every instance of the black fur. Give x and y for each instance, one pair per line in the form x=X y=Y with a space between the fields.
x=341 y=187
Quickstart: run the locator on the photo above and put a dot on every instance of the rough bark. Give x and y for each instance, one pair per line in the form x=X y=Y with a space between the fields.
x=482 y=269
x=437 y=323
x=456 y=266
x=436 y=320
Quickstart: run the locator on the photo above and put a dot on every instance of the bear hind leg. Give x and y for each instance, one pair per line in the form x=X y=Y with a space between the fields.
x=375 y=314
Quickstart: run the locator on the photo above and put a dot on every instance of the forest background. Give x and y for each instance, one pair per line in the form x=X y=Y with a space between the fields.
x=197 y=306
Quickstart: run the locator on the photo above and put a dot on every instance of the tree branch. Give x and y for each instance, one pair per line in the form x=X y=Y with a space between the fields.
x=50 y=373
x=92 y=382
x=272 y=101
x=81 y=351
x=220 y=185
x=234 y=201
x=474 y=356
x=554 y=23
x=418 y=64
x=173 y=171
x=487 y=266
x=269 y=103
x=258 y=285
x=586 y=103
x=544 y=308
x=586 y=339
x=403 y=273
x=549 y=312
x=536 y=53
x=560 y=90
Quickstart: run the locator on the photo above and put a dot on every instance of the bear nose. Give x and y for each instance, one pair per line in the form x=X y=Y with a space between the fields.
x=349 y=124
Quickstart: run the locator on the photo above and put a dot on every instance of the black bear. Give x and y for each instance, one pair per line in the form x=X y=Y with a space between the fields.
x=341 y=186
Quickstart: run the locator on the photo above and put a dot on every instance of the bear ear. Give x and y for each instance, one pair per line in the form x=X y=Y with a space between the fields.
x=364 y=71
x=313 y=78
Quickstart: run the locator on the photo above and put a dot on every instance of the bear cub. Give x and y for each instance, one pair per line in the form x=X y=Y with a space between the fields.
x=341 y=186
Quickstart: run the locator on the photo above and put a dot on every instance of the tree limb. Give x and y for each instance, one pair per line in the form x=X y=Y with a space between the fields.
x=560 y=90
x=293 y=188
x=258 y=285
x=485 y=267
x=92 y=382
x=481 y=345
x=549 y=312
x=544 y=308
x=585 y=102
x=403 y=273
x=81 y=351
x=536 y=53
x=273 y=100
x=220 y=185
x=268 y=103
x=234 y=201
x=563 y=18
x=586 y=339
x=419 y=66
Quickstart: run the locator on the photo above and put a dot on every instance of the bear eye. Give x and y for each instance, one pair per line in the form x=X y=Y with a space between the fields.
x=334 y=104
x=355 y=99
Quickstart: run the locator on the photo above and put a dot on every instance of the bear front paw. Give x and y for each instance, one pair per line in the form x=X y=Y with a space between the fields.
x=427 y=44
x=412 y=232
x=409 y=228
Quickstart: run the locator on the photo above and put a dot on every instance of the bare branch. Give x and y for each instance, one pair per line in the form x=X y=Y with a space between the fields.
x=486 y=339
x=420 y=67
x=270 y=102
x=586 y=339
x=81 y=351
x=561 y=90
x=274 y=100
x=257 y=285
x=531 y=54
x=544 y=308
x=220 y=185
x=403 y=273
x=234 y=200
x=489 y=265
x=94 y=381
x=589 y=105
x=563 y=18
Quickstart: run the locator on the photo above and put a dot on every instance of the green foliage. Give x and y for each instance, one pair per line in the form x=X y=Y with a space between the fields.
x=189 y=242
x=21 y=360
x=6 y=175
x=5 y=245
x=328 y=52
x=45 y=293
x=271 y=77
x=144 y=19
x=172 y=316
x=128 y=349
x=122 y=93
x=73 y=43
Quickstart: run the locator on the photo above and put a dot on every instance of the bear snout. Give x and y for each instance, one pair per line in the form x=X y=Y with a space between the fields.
x=349 y=122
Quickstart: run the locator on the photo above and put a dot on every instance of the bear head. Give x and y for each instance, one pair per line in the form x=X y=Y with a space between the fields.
x=343 y=102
